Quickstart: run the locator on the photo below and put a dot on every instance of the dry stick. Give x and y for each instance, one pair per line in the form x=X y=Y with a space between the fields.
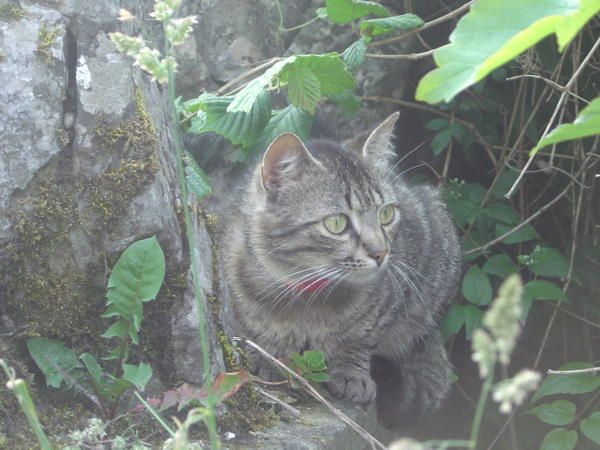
x=314 y=393
x=429 y=24
x=575 y=316
x=549 y=82
x=289 y=408
x=469 y=125
x=561 y=100
x=573 y=372
x=410 y=56
x=247 y=74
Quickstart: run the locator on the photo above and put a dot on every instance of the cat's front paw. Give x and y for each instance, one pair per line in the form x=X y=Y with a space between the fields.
x=356 y=386
x=423 y=391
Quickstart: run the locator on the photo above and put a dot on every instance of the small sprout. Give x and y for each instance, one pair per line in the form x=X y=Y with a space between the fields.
x=512 y=392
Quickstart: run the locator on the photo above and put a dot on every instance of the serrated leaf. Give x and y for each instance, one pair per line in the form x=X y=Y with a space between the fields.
x=568 y=384
x=548 y=262
x=544 y=290
x=304 y=88
x=560 y=439
x=354 y=55
x=138 y=375
x=346 y=11
x=196 y=178
x=523 y=234
x=453 y=320
x=494 y=32
x=135 y=278
x=377 y=27
x=116 y=387
x=118 y=329
x=240 y=128
x=500 y=265
x=476 y=286
x=587 y=123
x=57 y=362
x=559 y=412
x=501 y=212
x=590 y=427
x=245 y=99
x=288 y=120
x=329 y=68
x=315 y=360
x=92 y=367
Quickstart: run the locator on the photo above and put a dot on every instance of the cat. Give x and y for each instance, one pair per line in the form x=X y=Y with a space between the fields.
x=330 y=249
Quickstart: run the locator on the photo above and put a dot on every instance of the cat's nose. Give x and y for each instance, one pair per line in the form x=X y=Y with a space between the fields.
x=378 y=256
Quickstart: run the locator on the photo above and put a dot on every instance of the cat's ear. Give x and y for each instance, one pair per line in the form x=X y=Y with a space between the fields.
x=285 y=160
x=378 y=147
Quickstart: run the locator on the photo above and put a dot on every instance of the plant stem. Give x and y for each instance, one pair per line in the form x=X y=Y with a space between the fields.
x=476 y=424
x=156 y=415
x=202 y=334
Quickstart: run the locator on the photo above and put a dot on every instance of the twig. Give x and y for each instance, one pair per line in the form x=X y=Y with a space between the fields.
x=549 y=82
x=427 y=25
x=247 y=74
x=573 y=372
x=561 y=100
x=574 y=315
x=314 y=393
x=410 y=56
x=289 y=408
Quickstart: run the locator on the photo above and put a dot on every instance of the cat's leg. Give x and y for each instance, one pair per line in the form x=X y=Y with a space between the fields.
x=413 y=385
x=349 y=374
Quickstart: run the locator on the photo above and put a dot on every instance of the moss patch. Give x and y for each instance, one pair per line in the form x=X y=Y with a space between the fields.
x=46 y=38
x=10 y=11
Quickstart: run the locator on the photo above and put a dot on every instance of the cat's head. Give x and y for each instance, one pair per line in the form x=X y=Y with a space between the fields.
x=326 y=212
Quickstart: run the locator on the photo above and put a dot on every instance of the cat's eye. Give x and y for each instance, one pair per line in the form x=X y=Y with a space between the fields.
x=336 y=224
x=386 y=214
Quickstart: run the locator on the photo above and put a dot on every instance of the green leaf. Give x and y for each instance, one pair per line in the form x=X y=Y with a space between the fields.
x=92 y=367
x=245 y=99
x=476 y=286
x=299 y=363
x=354 y=56
x=501 y=212
x=587 y=123
x=441 y=141
x=57 y=362
x=138 y=375
x=135 y=278
x=590 y=427
x=240 y=128
x=118 y=329
x=227 y=384
x=473 y=317
x=494 y=32
x=288 y=120
x=437 y=124
x=544 y=290
x=568 y=384
x=453 y=320
x=196 y=179
x=500 y=265
x=318 y=377
x=329 y=68
x=546 y=261
x=346 y=100
x=304 y=88
x=523 y=234
x=560 y=439
x=116 y=387
x=559 y=412
x=315 y=360
x=377 y=27
x=346 y=11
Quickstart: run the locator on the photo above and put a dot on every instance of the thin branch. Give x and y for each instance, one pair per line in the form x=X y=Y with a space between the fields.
x=549 y=82
x=247 y=74
x=573 y=372
x=289 y=408
x=554 y=114
x=427 y=25
x=315 y=394
x=410 y=56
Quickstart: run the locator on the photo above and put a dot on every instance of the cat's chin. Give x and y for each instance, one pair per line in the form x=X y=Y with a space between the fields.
x=364 y=276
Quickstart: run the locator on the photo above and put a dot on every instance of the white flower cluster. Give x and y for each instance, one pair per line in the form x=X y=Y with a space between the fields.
x=149 y=59
x=512 y=392
x=497 y=340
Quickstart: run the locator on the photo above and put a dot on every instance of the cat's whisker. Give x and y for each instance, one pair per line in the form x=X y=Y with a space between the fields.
x=291 y=287
x=333 y=276
x=310 y=283
x=282 y=279
x=390 y=172
x=413 y=289
x=406 y=171
x=397 y=285
x=335 y=284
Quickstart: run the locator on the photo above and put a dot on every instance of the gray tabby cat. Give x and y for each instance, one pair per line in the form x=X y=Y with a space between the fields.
x=333 y=251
